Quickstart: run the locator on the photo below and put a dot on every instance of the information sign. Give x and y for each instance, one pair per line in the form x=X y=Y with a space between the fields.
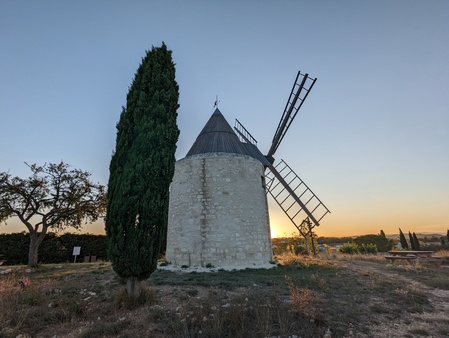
x=76 y=252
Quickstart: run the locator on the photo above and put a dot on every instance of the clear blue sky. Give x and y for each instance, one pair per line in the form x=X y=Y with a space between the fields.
x=372 y=139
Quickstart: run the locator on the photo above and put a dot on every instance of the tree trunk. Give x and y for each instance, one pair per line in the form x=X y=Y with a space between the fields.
x=35 y=241
x=133 y=287
x=33 y=250
x=313 y=244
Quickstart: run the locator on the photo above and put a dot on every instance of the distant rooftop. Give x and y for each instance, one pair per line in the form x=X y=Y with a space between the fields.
x=218 y=136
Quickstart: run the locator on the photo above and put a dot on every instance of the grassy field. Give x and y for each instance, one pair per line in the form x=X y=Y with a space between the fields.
x=330 y=296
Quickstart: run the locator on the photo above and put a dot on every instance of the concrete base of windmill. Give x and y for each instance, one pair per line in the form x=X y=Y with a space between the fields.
x=188 y=269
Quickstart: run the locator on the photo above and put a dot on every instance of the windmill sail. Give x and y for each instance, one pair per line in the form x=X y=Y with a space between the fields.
x=293 y=195
x=300 y=90
x=290 y=192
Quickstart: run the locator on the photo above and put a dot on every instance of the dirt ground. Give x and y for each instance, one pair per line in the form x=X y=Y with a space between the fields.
x=432 y=322
x=328 y=297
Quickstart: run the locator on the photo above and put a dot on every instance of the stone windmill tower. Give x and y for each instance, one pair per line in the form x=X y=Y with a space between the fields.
x=218 y=210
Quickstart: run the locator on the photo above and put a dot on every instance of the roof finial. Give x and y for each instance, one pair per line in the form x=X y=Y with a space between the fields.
x=216 y=102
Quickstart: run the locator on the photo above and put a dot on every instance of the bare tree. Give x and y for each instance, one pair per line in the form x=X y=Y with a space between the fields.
x=53 y=197
x=306 y=230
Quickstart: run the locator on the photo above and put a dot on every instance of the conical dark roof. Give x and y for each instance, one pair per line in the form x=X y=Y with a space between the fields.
x=217 y=136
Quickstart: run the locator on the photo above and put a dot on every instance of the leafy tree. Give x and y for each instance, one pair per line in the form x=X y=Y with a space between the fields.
x=53 y=197
x=402 y=239
x=382 y=233
x=141 y=170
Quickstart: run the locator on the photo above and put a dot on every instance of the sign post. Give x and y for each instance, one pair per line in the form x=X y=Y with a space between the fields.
x=76 y=252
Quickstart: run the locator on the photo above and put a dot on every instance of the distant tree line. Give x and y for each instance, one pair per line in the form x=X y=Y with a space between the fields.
x=334 y=240
x=54 y=249
x=415 y=244
x=361 y=244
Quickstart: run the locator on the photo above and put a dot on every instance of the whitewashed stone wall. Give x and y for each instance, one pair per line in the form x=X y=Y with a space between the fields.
x=218 y=213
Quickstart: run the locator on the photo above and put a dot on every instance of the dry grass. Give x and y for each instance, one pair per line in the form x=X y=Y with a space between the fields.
x=87 y=300
x=303 y=296
x=252 y=316
x=442 y=253
x=358 y=257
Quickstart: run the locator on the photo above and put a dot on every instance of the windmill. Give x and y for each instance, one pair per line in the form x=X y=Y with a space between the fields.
x=218 y=208
x=290 y=192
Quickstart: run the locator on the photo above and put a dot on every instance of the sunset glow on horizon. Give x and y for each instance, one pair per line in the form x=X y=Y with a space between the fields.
x=371 y=140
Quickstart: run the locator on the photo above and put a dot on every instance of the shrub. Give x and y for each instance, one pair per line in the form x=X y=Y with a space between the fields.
x=349 y=248
x=369 y=248
x=54 y=248
x=301 y=250
x=382 y=244
x=354 y=248
x=14 y=248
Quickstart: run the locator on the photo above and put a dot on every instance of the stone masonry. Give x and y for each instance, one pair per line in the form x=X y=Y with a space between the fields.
x=218 y=212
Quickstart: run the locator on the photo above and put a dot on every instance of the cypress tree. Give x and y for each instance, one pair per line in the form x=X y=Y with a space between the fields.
x=402 y=239
x=382 y=233
x=412 y=243
x=416 y=242
x=445 y=240
x=141 y=170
